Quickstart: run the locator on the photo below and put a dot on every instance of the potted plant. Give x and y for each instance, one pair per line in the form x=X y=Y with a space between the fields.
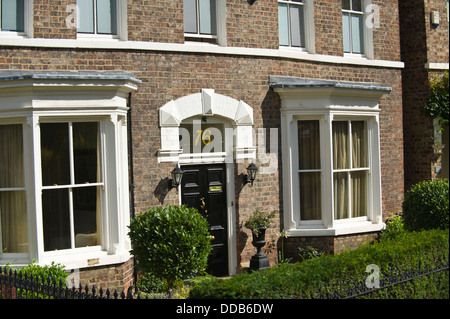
x=258 y=223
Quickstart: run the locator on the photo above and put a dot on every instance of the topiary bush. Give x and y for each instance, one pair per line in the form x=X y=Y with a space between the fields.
x=426 y=206
x=170 y=242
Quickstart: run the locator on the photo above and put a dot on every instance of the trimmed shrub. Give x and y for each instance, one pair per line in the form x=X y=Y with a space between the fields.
x=318 y=276
x=170 y=242
x=426 y=206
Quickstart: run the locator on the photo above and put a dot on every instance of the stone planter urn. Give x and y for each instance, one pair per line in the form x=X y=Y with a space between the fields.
x=259 y=261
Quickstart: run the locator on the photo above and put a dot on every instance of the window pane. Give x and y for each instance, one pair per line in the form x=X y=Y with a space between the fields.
x=85 y=16
x=202 y=137
x=346 y=4
x=106 y=17
x=86 y=152
x=310 y=196
x=86 y=210
x=308 y=145
x=341 y=154
x=56 y=220
x=346 y=31
x=340 y=195
x=359 y=149
x=357 y=33
x=283 y=24
x=359 y=194
x=55 y=154
x=13 y=219
x=190 y=16
x=356 y=5
x=11 y=156
x=297 y=26
x=13 y=209
x=12 y=18
x=207 y=11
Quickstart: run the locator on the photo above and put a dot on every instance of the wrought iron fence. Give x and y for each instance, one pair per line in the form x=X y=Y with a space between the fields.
x=15 y=285
x=395 y=278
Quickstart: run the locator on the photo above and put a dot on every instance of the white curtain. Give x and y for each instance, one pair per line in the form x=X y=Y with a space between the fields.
x=340 y=161
x=13 y=211
x=359 y=160
x=353 y=183
x=309 y=159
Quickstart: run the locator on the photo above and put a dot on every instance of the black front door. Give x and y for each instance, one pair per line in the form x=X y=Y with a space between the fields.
x=203 y=187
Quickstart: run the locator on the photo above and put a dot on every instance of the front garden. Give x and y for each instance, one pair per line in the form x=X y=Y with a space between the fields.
x=415 y=242
x=409 y=260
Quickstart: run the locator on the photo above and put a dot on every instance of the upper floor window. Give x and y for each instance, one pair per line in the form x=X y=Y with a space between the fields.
x=97 y=17
x=291 y=23
x=353 y=26
x=200 y=20
x=12 y=15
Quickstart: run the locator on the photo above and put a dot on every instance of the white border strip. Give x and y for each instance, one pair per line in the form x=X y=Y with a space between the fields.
x=195 y=48
x=436 y=66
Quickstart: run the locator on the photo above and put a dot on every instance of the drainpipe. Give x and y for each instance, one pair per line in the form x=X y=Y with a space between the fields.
x=131 y=174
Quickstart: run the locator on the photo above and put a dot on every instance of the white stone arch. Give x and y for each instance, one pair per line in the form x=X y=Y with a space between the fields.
x=210 y=104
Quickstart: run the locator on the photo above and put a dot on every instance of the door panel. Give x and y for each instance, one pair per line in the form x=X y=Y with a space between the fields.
x=204 y=188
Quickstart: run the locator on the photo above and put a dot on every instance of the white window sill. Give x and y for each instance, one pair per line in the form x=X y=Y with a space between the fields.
x=196 y=47
x=12 y=35
x=339 y=229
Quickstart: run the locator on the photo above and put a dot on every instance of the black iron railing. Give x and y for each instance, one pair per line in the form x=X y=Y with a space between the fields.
x=15 y=285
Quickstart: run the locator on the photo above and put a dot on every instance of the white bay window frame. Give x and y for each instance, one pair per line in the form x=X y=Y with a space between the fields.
x=328 y=101
x=30 y=99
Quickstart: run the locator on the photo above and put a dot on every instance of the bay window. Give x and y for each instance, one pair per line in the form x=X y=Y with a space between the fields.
x=64 y=168
x=331 y=152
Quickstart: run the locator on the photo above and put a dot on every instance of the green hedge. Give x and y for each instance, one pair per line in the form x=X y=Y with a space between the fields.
x=426 y=205
x=315 y=277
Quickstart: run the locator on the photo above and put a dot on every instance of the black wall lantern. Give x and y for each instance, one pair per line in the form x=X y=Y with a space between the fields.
x=251 y=1
x=177 y=176
x=251 y=174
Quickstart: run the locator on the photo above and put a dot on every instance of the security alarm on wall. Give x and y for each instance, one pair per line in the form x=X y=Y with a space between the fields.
x=434 y=18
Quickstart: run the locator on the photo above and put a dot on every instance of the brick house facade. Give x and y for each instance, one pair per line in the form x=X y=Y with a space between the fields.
x=149 y=78
x=424 y=47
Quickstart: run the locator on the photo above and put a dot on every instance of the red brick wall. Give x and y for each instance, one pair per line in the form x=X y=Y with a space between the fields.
x=421 y=43
x=254 y=26
x=50 y=19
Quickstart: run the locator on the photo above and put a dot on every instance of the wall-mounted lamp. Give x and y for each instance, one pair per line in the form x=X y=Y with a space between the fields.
x=251 y=1
x=177 y=176
x=251 y=174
